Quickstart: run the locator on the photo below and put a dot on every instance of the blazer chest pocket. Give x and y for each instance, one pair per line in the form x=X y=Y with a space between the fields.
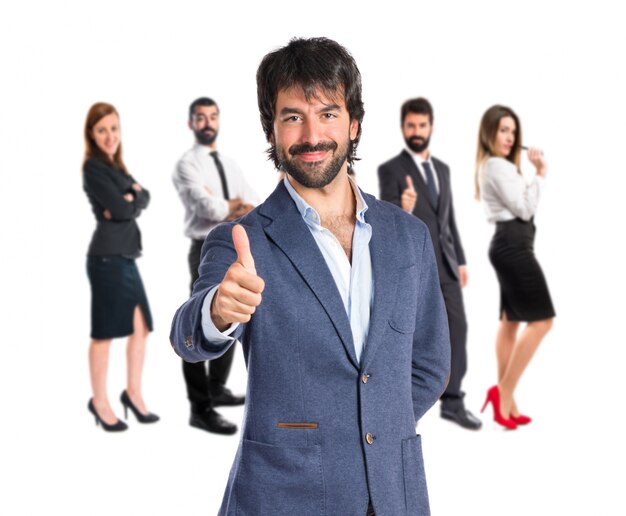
x=279 y=480
x=404 y=313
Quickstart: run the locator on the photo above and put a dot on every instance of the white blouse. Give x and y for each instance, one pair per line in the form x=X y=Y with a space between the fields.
x=505 y=193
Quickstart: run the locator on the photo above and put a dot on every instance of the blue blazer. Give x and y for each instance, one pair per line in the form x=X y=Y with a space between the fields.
x=323 y=433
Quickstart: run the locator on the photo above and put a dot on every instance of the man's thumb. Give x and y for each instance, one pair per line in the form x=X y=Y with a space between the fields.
x=242 y=246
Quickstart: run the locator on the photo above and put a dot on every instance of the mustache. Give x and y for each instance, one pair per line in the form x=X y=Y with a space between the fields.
x=307 y=147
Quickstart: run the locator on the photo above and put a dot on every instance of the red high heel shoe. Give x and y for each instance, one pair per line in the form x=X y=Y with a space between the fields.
x=520 y=419
x=493 y=397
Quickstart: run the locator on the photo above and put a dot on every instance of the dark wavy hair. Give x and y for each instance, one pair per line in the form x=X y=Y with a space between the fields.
x=420 y=106
x=202 y=101
x=317 y=65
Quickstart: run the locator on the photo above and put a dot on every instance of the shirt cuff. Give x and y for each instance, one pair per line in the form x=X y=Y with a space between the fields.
x=211 y=333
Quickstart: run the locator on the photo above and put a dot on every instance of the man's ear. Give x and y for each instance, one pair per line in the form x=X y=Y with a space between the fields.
x=190 y=124
x=354 y=129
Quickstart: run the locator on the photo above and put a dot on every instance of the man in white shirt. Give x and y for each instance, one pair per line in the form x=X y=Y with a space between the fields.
x=212 y=189
x=420 y=184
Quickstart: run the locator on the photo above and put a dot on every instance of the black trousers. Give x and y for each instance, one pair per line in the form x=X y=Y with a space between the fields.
x=453 y=299
x=202 y=384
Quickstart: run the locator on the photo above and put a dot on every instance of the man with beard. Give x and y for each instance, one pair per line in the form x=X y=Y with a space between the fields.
x=212 y=189
x=415 y=166
x=344 y=332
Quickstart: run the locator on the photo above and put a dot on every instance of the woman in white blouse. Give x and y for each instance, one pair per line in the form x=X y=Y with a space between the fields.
x=510 y=203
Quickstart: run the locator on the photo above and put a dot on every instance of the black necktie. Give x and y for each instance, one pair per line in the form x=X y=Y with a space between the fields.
x=430 y=183
x=220 y=170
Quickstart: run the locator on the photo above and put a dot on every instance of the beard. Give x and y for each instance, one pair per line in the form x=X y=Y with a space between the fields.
x=313 y=174
x=417 y=144
x=205 y=136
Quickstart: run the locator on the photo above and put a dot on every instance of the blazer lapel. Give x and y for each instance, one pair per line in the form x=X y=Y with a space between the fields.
x=289 y=232
x=384 y=270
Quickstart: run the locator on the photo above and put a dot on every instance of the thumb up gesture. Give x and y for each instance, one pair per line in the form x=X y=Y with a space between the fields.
x=239 y=293
x=409 y=196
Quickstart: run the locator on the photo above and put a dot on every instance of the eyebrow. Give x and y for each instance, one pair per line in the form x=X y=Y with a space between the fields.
x=326 y=107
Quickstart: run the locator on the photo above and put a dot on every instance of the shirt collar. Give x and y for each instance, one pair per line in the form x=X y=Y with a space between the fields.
x=310 y=215
x=418 y=159
x=202 y=149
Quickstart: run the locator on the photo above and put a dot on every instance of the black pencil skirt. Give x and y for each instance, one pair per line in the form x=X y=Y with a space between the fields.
x=524 y=294
x=116 y=289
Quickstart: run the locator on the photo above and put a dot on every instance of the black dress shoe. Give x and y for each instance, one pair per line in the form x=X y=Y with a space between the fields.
x=225 y=398
x=213 y=422
x=461 y=416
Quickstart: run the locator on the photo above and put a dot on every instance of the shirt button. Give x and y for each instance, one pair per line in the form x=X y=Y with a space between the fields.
x=369 y=438
x=365 y=377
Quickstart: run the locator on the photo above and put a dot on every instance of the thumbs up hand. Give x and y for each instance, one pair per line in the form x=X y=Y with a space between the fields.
x=409 y=196
x=239 y=293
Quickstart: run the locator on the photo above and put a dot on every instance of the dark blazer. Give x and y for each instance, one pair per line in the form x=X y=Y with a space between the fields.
x=323 y=432
x=105 y=187
x=441 y=223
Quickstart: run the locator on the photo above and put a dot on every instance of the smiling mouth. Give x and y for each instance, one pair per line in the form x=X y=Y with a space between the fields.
x=312 y=157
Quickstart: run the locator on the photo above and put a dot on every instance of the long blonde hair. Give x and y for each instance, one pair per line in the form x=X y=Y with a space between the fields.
x=489 y=125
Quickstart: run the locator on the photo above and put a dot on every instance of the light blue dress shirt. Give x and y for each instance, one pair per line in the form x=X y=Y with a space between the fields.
x=355 y=282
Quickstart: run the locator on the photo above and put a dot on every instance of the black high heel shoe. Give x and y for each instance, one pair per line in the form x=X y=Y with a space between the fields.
x=142 y=418
x=117 y=427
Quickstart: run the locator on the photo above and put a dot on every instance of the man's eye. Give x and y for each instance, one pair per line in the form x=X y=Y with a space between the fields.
x=329 y=116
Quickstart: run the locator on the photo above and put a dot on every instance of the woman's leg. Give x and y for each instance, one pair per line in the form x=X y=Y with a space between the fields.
x=520 y=357
x=98 y=369
x=135 y=355
x=505 y=342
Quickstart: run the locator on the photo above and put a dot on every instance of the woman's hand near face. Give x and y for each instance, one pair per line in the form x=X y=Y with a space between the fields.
x=535 y=156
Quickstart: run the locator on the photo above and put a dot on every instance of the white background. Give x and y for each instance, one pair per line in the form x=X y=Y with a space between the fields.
x=561 y=68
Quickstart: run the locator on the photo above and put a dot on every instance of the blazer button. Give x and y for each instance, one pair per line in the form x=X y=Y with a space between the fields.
x=365 y=377
x=369 y=438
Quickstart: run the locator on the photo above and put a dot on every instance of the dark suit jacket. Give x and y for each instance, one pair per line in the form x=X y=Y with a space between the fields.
x=323 y=431
x=105 y=187
x=441 y=224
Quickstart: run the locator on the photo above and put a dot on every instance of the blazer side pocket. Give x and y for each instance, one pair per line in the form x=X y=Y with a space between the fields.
x=279 y=480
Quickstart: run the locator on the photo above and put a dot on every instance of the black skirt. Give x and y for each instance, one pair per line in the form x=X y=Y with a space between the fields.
x=116 y=289
x=524 y=294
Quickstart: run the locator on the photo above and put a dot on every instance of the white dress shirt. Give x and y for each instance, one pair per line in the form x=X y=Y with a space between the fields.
x=505 y=193
x=354 y=280
x=418 y=163
x=200 y=189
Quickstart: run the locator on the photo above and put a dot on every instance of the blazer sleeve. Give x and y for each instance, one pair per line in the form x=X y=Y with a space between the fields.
x=142 y=198
x=431 y=340
x=103 y=189
x=186 y=336
x=458 y=247
x=390 y=188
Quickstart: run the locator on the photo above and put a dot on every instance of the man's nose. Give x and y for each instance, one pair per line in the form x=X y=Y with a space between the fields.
x=311 y=131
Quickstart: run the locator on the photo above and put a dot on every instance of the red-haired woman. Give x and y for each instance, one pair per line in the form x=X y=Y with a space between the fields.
x=119 y=306
x=510 y=203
